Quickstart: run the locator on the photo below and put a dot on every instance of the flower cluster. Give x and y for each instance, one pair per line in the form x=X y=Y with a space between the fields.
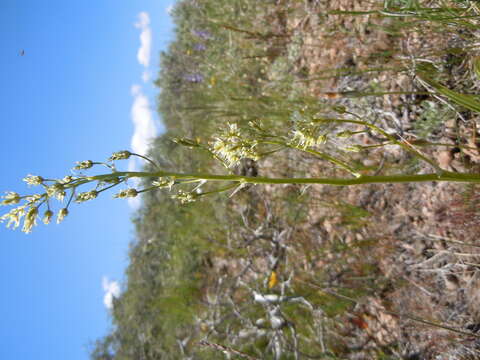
x=194 y=78
x=33 y=180
x=127 y=193
x=85 y=196
x=203 y=34
x=47 y=216
x=164 y=183
x=28 y=207
x=10 y=199
x=56 y=190
x=185 y=197
x=307 y=137
x=30 y=219
x=83 y=165
x=231 y=146
x=61 y=215
x=14 y=216
x=307 y=133
x=67 y=179
x=120 y=155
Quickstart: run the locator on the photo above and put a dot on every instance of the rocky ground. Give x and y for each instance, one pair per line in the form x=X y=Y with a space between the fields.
x=401 y=259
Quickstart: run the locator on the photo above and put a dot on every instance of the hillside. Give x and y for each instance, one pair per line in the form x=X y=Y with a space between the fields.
x=378 y=271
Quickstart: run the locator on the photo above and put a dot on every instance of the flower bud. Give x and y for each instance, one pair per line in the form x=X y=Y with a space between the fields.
x=83 y=165
x=345 y=134
x=340 y=109
x=185 y=197
x=10 y=199
x=186 y=142
x=47 y=216
x=56 y=190
x=14 y=216
x=127 y=193
x=66 y=179
x=120 y=155
x=33 y=199
x=30 y=220
x=61 y=215
x=164 y=183
x=53 y=189
x=33 y=180
x=85 y=196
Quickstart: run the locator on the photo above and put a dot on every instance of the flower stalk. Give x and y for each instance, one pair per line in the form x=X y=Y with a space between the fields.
x=313 y=135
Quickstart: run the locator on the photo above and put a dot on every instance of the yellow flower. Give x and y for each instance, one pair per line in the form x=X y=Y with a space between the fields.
x=273 y=280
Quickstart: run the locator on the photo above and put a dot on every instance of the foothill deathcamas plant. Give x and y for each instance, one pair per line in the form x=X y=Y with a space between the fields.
x=329 y=138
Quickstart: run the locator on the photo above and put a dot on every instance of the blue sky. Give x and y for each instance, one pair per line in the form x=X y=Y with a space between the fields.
x=81 y=91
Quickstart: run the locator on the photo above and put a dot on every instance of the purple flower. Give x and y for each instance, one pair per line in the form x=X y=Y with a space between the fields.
x=194 y=78
x=199 y=47
x=203 y=34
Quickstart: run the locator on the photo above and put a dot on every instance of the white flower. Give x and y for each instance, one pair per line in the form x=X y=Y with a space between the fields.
x=33 y=180
x=306 y=138
x=85 y=196
x=30 y=220
x=33 y=199
x=185 y=197
x=164 y=183
x=61 y=215
x=47 y=216
x=127 y=193
x=66 y=179
x=14 y=216
x=231 y=146
x=10 y=199
x=56 y=190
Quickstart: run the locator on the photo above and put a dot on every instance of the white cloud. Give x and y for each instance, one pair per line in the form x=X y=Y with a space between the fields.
x=144 y=132
x=143 y=54
x=112 y=289
x=145 y=129
x=169 y=9
x=146 y=76
x=143 y=20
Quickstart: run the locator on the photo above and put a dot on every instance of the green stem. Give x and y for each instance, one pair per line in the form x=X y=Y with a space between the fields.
x=364 y=179
x=145 y=158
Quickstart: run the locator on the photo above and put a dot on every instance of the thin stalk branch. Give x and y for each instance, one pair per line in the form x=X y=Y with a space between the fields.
x=364 y=179
x=147 y=159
